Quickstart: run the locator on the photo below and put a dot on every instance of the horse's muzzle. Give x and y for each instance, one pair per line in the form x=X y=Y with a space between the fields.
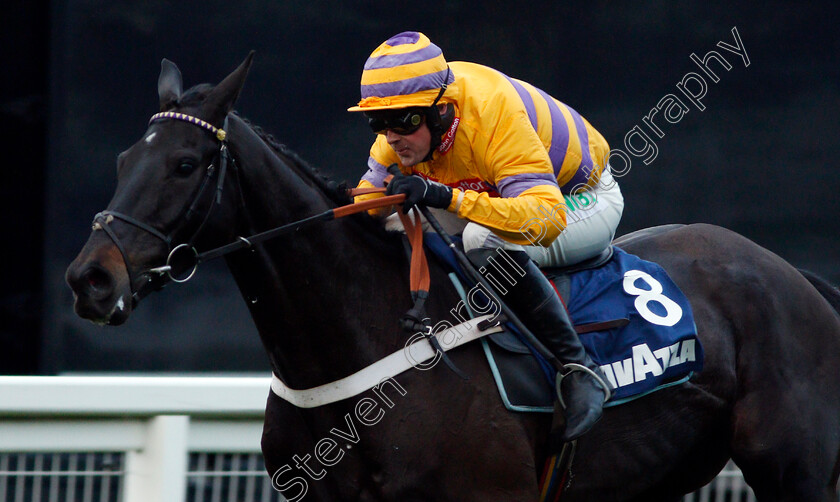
x=100 y=287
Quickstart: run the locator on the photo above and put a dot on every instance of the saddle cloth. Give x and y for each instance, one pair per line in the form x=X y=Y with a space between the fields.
x=657 y=348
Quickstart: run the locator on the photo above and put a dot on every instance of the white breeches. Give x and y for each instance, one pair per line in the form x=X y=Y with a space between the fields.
x=591 y=220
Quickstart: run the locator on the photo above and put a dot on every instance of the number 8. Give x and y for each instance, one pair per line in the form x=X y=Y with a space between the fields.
x=673 y=312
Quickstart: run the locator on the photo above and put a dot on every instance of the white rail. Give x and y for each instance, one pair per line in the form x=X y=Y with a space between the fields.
x=133 y=396
x=155 y=422
x=156 y=439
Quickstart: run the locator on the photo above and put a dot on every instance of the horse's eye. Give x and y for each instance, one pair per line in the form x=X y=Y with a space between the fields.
x=185 y=167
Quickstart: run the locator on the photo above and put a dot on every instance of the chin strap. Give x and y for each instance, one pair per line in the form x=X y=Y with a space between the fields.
x=433 y=119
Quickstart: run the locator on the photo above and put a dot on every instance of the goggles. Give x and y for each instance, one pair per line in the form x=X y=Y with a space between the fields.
x=402 y=121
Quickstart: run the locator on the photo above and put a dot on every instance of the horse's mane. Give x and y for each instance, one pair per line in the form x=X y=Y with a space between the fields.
x=337 y=192
x=196 y=95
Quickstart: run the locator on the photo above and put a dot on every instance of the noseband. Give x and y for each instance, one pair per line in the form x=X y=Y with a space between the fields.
x=158 y=275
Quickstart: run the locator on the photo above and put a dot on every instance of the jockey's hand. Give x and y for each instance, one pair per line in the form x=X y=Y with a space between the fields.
x=419 y=191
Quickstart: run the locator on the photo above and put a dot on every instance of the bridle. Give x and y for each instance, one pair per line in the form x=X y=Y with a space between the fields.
x=157 y=276
x=419 y=270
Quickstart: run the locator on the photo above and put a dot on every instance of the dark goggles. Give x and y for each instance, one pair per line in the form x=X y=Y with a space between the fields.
x=402 y=122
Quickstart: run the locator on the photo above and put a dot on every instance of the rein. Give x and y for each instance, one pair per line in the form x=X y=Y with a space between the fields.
x=330 y=214
x=103 y=219
x=414 y=320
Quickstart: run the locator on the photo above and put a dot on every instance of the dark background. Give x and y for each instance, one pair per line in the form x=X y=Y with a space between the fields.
x=80 y=84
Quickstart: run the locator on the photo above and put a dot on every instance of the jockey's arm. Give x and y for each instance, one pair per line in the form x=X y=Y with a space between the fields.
x=374 y=178
x=510 y=155
x=535 y=216
x=531 y=208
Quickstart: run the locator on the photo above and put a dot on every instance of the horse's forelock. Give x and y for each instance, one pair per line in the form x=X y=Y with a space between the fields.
x=194 y=96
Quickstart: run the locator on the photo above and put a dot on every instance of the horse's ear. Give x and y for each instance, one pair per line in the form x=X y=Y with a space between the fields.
x=169 y=84
x=221 y=99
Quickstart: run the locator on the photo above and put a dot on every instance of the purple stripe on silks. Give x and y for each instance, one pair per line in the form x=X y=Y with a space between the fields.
x=392 y=60
x=514 y=185
x=406 y=37
x=583 y=134
x=525 y=96
x=407 y=86
x=581 y=177
x=559 y=133
x=376 y=173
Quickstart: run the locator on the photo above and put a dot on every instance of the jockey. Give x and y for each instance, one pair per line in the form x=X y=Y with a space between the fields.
x=500 y=160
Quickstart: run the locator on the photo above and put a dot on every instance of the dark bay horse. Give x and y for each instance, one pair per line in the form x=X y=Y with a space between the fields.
x=327 y=298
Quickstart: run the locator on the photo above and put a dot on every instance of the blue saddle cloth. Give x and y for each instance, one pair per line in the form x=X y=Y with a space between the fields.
x=659 y=344
x=656 y=349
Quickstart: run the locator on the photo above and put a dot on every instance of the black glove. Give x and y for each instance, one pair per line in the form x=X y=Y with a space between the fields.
x=418 y=191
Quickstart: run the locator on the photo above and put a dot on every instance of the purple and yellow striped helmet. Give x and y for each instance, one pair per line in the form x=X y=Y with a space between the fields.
x=406 y=70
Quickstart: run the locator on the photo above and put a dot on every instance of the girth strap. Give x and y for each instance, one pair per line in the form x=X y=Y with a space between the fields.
x=416 y=355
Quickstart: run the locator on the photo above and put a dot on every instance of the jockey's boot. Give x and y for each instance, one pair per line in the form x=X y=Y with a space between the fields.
x=538 y=305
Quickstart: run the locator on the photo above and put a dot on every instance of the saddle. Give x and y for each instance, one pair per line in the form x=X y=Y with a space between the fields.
x=560 y=275
x=644 y=338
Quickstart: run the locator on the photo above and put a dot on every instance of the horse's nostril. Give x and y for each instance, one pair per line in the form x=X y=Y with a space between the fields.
x=98 y=282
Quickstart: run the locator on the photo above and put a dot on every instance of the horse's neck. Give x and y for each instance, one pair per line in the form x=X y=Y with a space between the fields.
x=320 y=296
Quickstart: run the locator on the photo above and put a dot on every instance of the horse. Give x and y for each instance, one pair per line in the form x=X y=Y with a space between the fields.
x=326 y=302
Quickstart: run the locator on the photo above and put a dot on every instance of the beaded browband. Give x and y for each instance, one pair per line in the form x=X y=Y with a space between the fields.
x=219 y=133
